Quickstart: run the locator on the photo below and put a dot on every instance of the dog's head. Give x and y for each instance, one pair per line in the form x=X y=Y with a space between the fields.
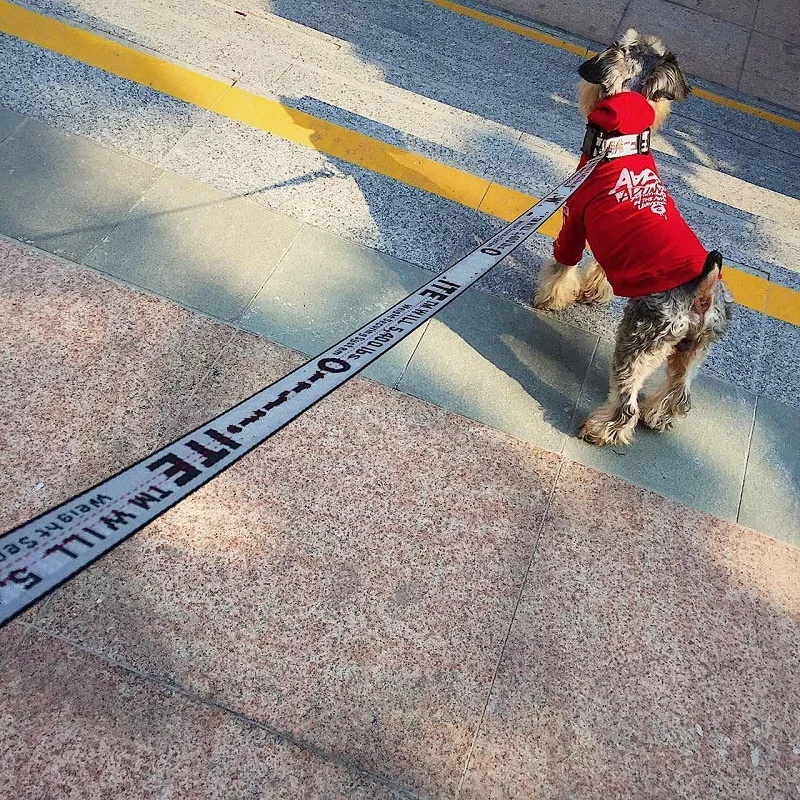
x=633 y=63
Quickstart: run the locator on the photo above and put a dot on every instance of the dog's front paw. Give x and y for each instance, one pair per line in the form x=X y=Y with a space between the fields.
x=558 y=287
x=601 y=431
x=595 y=288
x=555 y=298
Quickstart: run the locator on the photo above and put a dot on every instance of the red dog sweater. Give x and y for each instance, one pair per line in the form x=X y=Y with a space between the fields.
x=633 y=226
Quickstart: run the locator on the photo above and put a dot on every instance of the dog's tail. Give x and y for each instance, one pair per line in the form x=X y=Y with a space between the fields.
x=713 y=260
x=704 y=293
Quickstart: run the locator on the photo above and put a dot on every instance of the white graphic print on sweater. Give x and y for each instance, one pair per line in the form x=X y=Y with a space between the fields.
x=644 y=190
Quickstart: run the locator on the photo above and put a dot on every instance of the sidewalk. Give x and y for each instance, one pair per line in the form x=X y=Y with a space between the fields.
x=416 y=590
x=352 y=610
x=488 y=358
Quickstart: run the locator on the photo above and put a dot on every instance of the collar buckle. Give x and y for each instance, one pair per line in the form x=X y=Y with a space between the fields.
x=597 y=142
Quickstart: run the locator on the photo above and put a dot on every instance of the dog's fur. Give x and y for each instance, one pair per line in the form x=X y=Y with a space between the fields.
x=678 y=325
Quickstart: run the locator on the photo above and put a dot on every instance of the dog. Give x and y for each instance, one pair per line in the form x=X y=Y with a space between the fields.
x=642 y=247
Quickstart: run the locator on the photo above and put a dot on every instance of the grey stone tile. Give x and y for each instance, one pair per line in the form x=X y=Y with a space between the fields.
x=602 y=320
x=427 y=36
x=538 y=164
x=516 y=276
x=722 y=229
x=511 y=101
x=440 y=56
x=191 y=32
x=735 y=194
x=504 y=366
x=701 y=152
x=689 y=33
x=9 y=122
x=343 y=199
x=740 y=12
x=540 y=105
x=771 y=495
x=536 y=97
x=263 y=63
x=735 y=358
x=266 y=47
x=63 y=193
x=324 y=289
x=538 y=26
x=728 y=122
x=80 y=99
x=785 y=277
x=600 y=25
x=771 y=69
x=737 y=237
x=776 y=19
x=779 y=375
x=778 y=244
x=701 y=462
x=197 y=245
x=344 y=62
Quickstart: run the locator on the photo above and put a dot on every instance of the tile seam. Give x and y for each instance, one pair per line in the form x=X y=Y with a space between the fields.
x=196 y=699
x=238 y=323
x=747 y=460
x=116 y=223
x=711 y=16
x=574 y=418
x=399 y=380
x=523 y=585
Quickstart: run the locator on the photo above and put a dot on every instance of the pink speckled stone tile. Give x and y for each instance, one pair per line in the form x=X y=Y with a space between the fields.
x=76 y=727
x=92 y=375
x=655 y=654
x=10 y=638
x=350 y=582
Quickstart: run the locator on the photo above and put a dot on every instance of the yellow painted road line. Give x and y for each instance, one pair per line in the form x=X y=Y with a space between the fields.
x=514 y=27
x=118 y=59
x=745 y=108
x=348 y=145
x=251 y=109
x=748 y=290
x=571 y=47
x=353 y=147
x=783 y=303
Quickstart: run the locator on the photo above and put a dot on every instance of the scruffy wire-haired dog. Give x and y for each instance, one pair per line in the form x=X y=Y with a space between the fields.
x=642 y=247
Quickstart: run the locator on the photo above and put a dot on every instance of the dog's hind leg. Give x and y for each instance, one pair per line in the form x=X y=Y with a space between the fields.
x=558 y=286
x=644 y=339
x=615 y=421
x=673 y=400
x=595 y=287
x=712 y=303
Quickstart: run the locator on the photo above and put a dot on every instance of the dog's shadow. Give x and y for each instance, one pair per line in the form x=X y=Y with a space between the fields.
x=503 y=365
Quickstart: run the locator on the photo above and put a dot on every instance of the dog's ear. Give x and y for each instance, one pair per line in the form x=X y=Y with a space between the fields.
x=667 y=81
x=600 y=70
